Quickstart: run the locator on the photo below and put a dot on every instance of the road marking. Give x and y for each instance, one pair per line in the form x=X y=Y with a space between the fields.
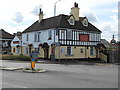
x=16 y=86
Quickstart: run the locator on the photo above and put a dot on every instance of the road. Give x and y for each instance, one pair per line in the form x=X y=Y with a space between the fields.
x=61 y=76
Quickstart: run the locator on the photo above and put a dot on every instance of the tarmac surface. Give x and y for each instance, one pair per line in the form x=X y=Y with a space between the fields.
x=81 y=75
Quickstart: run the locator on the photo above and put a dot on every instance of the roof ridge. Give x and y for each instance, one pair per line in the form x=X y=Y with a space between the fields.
x=6 y=32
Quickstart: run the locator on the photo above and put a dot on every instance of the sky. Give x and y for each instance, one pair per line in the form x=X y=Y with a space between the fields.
x=17 y=15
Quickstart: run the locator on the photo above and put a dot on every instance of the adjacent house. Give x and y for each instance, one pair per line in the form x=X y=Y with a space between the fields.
x=5 y=40
x=62 y=37
x=104 y=47
x=16 y=44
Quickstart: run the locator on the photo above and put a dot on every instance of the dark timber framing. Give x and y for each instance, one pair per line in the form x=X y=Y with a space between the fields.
x=75 y=41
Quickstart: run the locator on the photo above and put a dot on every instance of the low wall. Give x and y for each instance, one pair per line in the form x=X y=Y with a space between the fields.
x=103 y=57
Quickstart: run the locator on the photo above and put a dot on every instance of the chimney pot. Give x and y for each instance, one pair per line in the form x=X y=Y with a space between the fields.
x=40 y=14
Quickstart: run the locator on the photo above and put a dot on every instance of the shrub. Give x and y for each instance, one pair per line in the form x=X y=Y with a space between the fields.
x=16 y=57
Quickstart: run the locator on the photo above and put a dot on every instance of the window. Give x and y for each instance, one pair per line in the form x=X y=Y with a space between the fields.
x=71 y=22
x=26 y=50
x=92 y=51
x=27 y=37
x=63 y=34
x=18 y=50
x=57 y=32
x=81 y=50
x=49 y=35
x=85 y=23
x=37 y=50
x=69 y=52
x=37 y=37
x=69 y=35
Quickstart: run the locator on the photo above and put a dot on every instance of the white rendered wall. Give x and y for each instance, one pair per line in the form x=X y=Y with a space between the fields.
x=43 y=38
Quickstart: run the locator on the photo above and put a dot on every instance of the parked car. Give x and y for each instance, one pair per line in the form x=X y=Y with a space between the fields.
x=4 y=52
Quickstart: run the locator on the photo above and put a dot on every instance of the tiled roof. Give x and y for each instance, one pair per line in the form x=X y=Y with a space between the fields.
x=60 y=21
x=5 y=35
x=105 y=43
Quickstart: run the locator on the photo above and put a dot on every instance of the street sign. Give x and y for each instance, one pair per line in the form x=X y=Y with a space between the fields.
x=33 y=60
x=34 y=57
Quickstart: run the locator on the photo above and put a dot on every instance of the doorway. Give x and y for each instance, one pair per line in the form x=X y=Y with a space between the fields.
x=46 y=53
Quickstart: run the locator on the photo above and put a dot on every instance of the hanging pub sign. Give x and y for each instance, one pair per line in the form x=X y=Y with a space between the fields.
x=15 y=42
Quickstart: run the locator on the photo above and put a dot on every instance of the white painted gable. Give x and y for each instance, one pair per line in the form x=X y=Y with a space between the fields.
x=14 y=40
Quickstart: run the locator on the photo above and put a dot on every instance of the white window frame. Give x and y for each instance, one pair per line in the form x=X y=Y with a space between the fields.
x=69 y=34
x=81 y=50
x=37 y=49
x=39 y=33
x=85 y=22
x=92 y=51
x=37 y=36
x=27 y=37
x=49 y=35
x=72 y=22
x=69 y=52
x=18 y=50
x=26 y=50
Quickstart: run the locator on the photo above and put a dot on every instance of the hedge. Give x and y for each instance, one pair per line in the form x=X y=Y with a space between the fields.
x=16 y=57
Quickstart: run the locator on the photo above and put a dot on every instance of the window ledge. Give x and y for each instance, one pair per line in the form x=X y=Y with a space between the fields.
x=37 y=41
x=69 y=55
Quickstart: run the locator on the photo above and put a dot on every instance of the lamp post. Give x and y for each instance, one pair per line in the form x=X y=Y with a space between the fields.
x=55 y=7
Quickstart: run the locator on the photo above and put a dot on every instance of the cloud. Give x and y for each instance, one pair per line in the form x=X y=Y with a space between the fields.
x=90 y=15
x=106 y=26
x=18 y=17
x=114 y=17
x=115 y=10
x=35 y=11
x=108 y=29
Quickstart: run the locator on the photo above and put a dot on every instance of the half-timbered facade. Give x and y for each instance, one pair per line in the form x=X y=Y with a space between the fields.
x=62 y=36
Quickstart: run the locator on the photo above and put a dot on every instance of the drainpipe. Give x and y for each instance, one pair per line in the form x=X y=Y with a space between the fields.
x=21 y=47
x=85 y=52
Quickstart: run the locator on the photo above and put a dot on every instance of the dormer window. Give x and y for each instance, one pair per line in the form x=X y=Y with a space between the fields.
x=85 y=22
x=71 y=20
